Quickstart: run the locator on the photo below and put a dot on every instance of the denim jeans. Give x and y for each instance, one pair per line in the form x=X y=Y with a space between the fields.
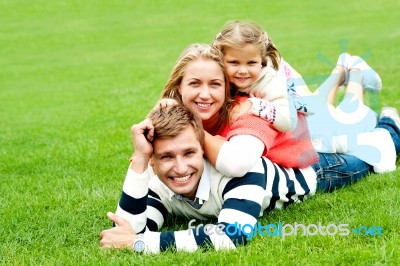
x=388 y=124
x=336 y=170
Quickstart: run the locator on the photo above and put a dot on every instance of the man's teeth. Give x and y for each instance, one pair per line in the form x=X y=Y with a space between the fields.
x=182 y=179
x=204 y=104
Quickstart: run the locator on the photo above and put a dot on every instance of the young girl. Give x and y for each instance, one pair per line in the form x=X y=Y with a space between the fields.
x=254 y=67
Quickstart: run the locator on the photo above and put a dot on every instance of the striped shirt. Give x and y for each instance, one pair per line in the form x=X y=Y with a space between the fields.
x=145 y=203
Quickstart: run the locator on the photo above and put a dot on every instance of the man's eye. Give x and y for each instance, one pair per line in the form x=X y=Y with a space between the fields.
x=189 y=153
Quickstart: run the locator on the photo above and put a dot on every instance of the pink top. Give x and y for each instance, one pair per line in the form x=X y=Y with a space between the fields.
x=288 y=149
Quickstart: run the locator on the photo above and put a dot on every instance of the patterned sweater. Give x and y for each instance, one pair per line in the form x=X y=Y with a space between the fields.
x=145 y=203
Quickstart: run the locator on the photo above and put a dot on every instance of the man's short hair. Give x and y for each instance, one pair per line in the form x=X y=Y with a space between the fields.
x=170 y=121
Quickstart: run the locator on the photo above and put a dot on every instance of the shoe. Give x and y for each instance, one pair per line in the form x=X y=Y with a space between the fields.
x=346 y=61
x=372 y=81
x=392 y=113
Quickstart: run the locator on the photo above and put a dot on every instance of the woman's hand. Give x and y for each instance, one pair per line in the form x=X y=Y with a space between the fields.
x=240 y=109
x=164 y=103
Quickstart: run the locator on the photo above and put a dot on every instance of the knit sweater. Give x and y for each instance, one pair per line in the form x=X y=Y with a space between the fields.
x=288 y=149
x=275 y=87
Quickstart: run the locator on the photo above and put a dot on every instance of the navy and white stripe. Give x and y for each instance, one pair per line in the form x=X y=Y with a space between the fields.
x=233 y=201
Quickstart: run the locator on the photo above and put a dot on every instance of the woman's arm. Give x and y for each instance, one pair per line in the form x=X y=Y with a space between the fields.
x=238 y=155
x=234 y=157
x=249 y=138
x=212 y=146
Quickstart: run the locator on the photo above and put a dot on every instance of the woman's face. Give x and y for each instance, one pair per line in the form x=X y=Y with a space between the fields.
x=203 y=89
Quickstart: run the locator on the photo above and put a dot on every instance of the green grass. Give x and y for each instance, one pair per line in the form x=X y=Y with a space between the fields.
x=75 y=75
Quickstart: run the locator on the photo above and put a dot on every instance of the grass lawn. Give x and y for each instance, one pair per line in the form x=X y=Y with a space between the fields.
x=74 y=77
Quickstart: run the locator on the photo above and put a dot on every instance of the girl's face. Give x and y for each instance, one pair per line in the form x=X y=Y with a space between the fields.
x=243 y=65
x=203 y=89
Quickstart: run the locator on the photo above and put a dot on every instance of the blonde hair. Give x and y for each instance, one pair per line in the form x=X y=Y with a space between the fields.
x=170 y=121
x=236 y=34
x=190 y=54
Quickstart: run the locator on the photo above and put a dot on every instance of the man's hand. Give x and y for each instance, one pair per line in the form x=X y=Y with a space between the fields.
x=121 y=236
x=142 y=135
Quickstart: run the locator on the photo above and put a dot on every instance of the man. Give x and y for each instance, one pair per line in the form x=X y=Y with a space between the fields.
x=171 y=142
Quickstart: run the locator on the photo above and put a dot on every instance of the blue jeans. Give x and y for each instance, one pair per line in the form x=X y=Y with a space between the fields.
x=388 y=124
x=336 y=170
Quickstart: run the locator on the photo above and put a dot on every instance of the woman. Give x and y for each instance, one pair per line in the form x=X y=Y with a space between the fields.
x=206 y=93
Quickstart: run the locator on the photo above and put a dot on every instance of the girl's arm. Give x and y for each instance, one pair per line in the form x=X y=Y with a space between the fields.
x=278 y=89
x=278 y=113
x=273 y=87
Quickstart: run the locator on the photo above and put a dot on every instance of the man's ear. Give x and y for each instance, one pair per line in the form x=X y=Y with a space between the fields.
x=151 y=162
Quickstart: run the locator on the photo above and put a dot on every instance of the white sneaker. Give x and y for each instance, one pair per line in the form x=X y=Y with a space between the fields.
x=392 y=113
x=372 y=81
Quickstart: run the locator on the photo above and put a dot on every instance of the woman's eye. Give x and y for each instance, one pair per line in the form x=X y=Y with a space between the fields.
x=216 y=84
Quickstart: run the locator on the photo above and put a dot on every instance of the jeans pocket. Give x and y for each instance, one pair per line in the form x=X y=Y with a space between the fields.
x=332 y=160
x=329 y=165
x=337 y=170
